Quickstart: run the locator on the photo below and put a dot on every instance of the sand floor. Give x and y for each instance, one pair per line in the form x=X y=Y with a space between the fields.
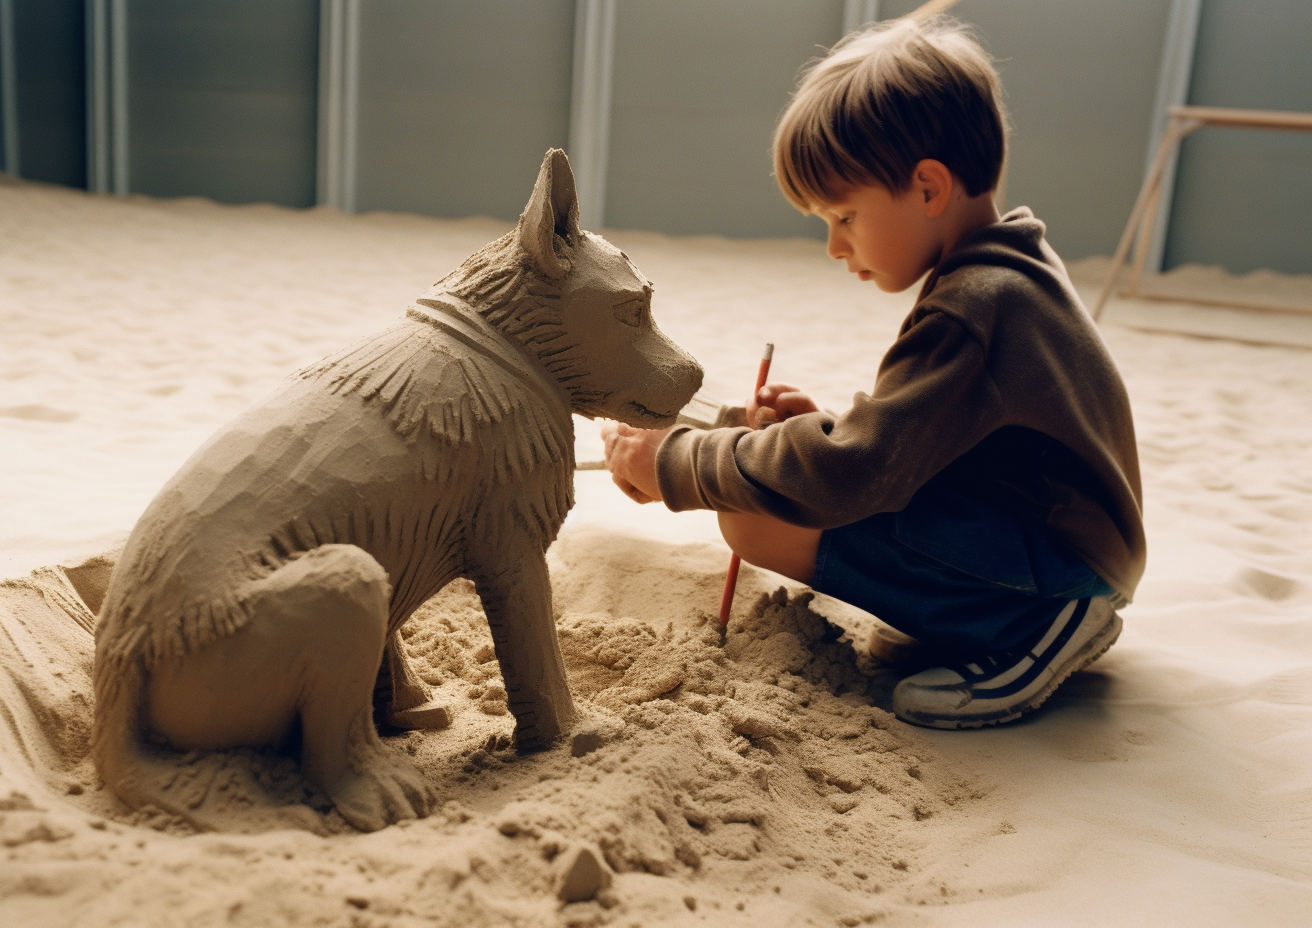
x=761 y=784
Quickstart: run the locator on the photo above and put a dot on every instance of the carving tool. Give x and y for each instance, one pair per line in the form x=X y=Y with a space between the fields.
x=735 y=562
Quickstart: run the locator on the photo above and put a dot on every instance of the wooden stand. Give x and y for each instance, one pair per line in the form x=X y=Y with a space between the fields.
x=1185 y=120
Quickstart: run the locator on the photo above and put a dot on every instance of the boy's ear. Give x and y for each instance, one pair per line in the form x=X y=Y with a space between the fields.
x=935 y=184
x=549 y=225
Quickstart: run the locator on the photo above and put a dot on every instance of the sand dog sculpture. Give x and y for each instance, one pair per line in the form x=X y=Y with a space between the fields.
x=263 y=586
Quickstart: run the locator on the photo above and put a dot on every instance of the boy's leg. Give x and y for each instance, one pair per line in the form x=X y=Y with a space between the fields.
x=1005 y=645
x=987 y=691
x=767 y=542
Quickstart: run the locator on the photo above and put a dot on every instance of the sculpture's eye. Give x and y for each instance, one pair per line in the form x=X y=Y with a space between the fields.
x=630 y=312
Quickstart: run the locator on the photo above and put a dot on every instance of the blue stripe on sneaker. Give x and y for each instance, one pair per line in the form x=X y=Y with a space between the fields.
x=1041 y=661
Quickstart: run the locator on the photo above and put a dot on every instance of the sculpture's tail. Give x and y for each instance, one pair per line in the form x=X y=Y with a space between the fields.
x=138 y=773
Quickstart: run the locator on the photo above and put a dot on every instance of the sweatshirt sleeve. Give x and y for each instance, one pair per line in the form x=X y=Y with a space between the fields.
x=933 y=401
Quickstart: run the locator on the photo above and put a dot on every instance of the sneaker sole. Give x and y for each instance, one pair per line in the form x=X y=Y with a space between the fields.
x=1093 y=649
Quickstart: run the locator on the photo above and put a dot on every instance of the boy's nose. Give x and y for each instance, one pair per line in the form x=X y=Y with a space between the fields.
x=835 y=247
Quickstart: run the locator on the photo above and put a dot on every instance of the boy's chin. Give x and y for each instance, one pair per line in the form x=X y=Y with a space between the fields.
x=886 y=282
x=895 y=285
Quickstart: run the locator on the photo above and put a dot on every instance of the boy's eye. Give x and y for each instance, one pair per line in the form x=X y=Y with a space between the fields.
x=630 y=312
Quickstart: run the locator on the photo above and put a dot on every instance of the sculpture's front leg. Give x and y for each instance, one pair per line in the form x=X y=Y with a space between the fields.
x=511 y=578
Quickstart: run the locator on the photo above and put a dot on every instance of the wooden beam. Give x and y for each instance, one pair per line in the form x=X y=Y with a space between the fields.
x=932 y=8
x=1288 y=309
x=1244 y=119
x=1170 y=138
x=1185 y=120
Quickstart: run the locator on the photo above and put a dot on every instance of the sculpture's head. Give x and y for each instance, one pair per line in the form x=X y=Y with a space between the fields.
x=602 y=346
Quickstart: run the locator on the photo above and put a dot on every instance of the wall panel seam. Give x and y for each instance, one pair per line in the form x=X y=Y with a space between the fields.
x=9 y=89
x=339 y=99
x=857 y=13
x=590 y=106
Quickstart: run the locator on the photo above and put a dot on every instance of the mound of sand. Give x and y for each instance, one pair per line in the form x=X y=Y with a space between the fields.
x=762 y=783
x=760 y=766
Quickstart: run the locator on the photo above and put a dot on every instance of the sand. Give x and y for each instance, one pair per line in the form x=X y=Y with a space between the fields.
x=760 y=784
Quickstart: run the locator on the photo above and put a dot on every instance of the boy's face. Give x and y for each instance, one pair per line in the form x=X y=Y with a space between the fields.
x=882 y=236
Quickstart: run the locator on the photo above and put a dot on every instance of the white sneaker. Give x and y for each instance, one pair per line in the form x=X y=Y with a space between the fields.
x=1003 y=688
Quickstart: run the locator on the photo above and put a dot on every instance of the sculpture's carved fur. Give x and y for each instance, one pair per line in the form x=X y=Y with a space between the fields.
x=437 y=448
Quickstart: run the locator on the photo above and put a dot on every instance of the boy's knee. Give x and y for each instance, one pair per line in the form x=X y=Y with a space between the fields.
x=766 y=542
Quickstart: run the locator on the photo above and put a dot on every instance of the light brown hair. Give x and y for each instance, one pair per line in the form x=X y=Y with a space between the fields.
x=882 y=100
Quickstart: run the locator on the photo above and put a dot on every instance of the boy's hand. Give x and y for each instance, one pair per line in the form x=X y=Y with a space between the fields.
x=631 y=459
x=776 y=402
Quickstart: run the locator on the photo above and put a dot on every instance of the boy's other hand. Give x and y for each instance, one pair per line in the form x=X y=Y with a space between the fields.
x=631 y=459
x=776 y=402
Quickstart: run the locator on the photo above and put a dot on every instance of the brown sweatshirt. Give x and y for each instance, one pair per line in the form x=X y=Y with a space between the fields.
x=998 y=381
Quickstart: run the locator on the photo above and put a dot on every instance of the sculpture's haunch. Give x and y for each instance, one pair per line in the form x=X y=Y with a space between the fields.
x=267 y=580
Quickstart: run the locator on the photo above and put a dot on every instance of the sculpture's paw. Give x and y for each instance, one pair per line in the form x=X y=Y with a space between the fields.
x=542 y=731
x=383 y=790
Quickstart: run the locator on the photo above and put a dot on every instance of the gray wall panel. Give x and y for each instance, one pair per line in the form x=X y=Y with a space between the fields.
x=460 y=98
x=50 y=50
x=698 y=87
x=1243 y=199
x=459 y=101
x=223 y=99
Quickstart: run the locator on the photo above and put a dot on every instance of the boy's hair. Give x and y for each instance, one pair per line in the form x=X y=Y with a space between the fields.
x=882 y=100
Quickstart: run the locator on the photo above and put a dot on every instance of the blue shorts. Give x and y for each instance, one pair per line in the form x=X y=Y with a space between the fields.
x=964 y=576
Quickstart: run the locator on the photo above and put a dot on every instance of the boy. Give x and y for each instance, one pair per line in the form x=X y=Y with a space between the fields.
x=985 y=498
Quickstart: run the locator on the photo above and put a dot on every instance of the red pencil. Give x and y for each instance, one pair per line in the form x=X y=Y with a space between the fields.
x=731 y=580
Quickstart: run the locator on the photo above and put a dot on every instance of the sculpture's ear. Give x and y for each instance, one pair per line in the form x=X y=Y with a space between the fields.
x=552 y=214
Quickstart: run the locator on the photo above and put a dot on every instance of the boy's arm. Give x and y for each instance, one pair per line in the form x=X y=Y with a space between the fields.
x=631 y=452
x=933 y=401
